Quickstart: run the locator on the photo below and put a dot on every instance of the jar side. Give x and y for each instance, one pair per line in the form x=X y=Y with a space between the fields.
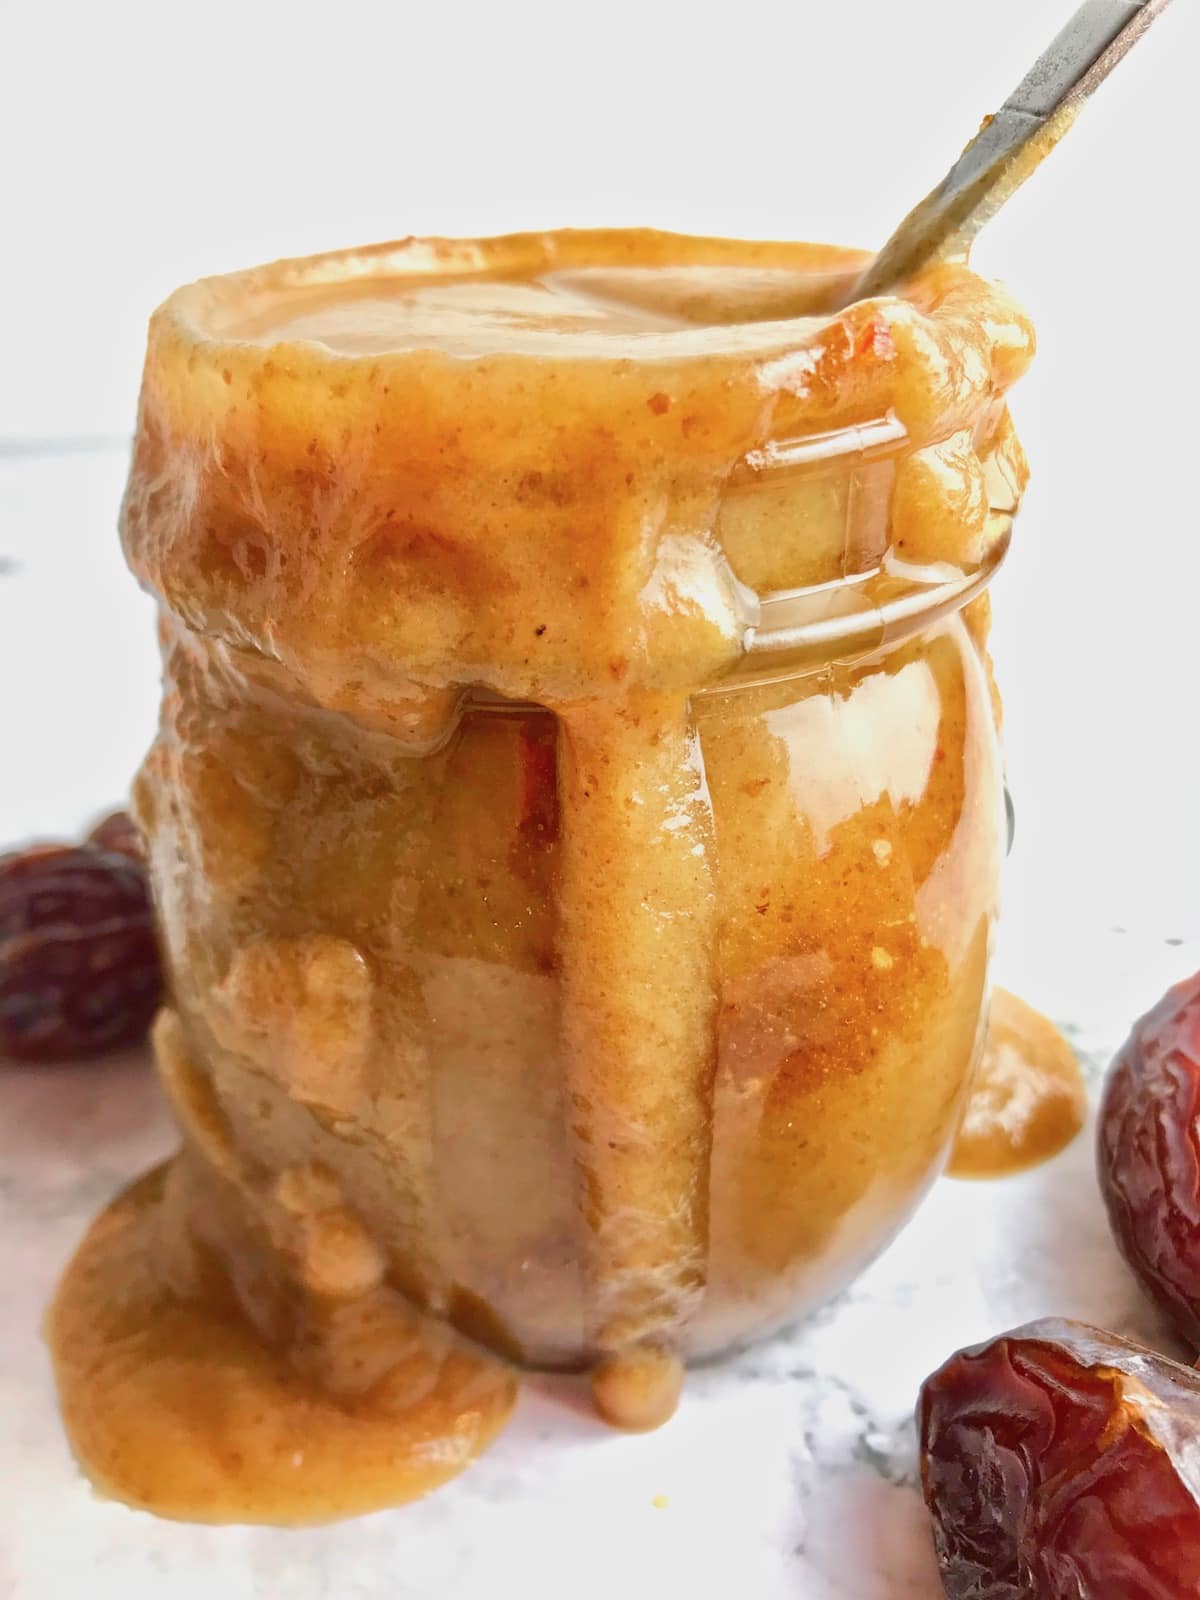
x=382 y=963
x=860 y=819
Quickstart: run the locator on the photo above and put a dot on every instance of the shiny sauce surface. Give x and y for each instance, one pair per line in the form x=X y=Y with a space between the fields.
x=1028 y=1100
x=176 y=1404
x=609 y=311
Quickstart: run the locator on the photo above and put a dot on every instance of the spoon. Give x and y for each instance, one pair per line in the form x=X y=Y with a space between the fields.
x=1012 y=143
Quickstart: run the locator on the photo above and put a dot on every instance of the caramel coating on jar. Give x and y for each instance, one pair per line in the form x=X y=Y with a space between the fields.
x=531 y=956
x=365 y=512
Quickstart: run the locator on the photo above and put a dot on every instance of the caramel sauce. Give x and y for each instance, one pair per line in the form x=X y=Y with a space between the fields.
x=615 y=312
x=513 y=972
x=178 y=1405
x=1028 y=1100
x=637 y=1389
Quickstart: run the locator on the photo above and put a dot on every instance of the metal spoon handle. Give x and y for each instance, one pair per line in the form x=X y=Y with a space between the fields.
x=1011 y=144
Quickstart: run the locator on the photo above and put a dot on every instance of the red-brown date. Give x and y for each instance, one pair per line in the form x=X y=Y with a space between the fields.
x=118 y=832
x=79 y=963
x=1148 y=1154
x=1062 y=1463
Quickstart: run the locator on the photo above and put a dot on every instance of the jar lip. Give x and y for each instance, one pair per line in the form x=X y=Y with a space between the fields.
x=211 y=314
x=790 y=631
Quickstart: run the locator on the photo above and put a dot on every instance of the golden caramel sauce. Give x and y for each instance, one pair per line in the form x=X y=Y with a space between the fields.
x=179 y=1406
x=638 y=1389
x=1028 y=1100
x=613 y=1020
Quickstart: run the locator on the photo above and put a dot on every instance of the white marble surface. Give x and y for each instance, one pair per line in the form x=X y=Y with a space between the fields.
x=788 y=1471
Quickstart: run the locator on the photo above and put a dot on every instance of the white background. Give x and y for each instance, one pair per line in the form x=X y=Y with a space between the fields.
x=147 y=144
x=143 y=145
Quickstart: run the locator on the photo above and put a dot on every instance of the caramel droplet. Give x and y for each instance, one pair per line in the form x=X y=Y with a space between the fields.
x=1028 y=1099
x=638 y=1389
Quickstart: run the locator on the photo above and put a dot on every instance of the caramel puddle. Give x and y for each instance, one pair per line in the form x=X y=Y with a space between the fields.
x=1028 y=1100
x=179 y=1407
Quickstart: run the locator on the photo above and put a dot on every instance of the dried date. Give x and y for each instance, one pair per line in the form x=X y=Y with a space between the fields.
x=1148 y=1154
x=118 y=832
x=79 y=963
x=1060 y=1463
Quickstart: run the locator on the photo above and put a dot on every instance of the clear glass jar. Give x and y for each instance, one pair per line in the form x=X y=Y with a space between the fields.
x=577 y=843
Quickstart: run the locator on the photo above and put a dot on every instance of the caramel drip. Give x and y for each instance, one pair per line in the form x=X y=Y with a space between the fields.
x=336 y=1024
x=639 y=1010
x=228 y=1347
x=299 y=1017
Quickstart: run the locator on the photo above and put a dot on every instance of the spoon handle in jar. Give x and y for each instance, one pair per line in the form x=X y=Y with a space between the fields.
x=1013 y=142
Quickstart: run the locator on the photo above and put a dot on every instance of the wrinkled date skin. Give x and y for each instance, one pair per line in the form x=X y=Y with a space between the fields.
x=1148 y=1154
x=119 y=832
x=79 y=963
x=1062 y=1463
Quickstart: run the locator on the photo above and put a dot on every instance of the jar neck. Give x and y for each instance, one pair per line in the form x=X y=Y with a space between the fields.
x=802 y=630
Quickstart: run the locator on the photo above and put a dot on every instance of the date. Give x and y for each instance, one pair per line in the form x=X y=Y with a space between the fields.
x=79 y=963
x=118 y=832
x=1060 y=1463
x=1148 y=1154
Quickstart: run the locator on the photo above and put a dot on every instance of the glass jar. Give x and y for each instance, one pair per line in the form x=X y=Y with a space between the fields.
x=577 y=815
